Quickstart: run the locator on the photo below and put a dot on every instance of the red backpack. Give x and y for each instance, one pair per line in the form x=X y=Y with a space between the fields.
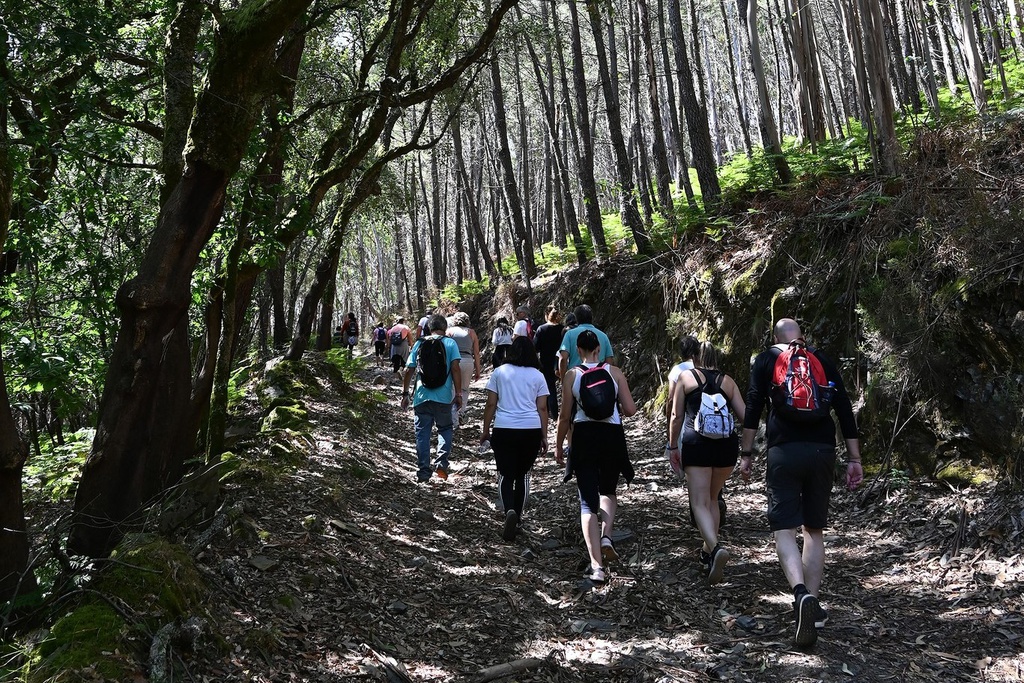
x=800 y=390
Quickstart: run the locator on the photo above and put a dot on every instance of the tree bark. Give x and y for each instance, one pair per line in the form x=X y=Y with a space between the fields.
x=696 y=114
x=766 y=118
x=585 y=153
x=142 y=434
x=523 y=241
x=662 y=174
x=564 y=197
x=627 y=200
x=16 y=576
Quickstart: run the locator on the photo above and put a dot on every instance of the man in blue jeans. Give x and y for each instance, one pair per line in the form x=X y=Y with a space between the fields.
x=433 y=407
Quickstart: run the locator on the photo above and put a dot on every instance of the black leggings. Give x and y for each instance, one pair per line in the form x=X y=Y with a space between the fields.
x=515 y=451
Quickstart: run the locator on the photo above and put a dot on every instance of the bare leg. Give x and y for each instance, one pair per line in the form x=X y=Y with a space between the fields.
x=608 y=506
x=698 y=488
x=592 y=536
x=789 y=556
x=813 y=559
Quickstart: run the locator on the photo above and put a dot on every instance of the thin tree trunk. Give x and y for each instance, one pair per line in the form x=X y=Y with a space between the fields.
x=585 y=153
x=564 y=198
x=627 y=200
x=638 y=142
x=682 y=168
x=477 y=239
x=522 y=240
x=696 y=113
x=662 y=174
x=766 y=118
x=741 y=111
x=16 y=576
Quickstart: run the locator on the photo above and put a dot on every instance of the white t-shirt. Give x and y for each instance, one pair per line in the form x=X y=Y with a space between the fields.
x=676 y=372
x=501 y=337
x=518 y=389
x=521 y=329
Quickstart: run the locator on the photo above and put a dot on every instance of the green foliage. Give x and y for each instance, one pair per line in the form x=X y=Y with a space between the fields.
x=468 y=288
x=53 y=475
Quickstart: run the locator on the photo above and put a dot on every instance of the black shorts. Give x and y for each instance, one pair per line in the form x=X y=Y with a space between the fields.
x=378 y=347
x=800 y=477
x=598 y=452
x=702 y=452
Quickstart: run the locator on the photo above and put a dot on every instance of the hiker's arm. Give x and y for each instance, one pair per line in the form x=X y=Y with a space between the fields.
x=457 y=382
x=406 y=378
x=736 y=400
x=563 y=364
x=476 y=353
x=676 y=413
x=626 y=405
x=564 y=417
x=489 y=408
x=854 y=469
x=542 y=410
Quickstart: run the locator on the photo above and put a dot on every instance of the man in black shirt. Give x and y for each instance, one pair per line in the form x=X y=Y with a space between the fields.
x=800 y=468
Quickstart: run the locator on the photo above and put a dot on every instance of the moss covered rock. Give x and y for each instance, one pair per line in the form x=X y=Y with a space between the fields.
x=286 y=417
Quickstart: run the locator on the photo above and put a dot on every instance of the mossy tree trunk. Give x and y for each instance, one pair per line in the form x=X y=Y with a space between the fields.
x=15 y=576
x=143 y=433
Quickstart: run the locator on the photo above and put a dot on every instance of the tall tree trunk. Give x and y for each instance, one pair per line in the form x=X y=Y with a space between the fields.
x=142 y=435
x=522 y=240
x=975 y=64
x=883 y=108
x=741 y=110
x=637 y=139
x=806 y=83
x=696 y=113
x=179 y=91
x=563 y=199
x=585 y=153
x=627 y=200
x=472 y=208
x=662 y=174
x=16 y=576
x=682 y=167
x=325 y=325
x=766 y=118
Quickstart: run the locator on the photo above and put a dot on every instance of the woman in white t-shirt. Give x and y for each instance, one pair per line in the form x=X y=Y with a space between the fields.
x=517 y=405
x=502 y=341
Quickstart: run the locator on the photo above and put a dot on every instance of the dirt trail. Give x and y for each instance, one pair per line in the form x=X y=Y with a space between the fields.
x=375 y=577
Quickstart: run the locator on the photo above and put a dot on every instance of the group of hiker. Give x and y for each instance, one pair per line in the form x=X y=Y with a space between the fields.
x=711 y=427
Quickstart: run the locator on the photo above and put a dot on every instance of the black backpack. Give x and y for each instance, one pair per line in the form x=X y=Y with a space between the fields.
x=432 y=361
x=597 y=392
x=352 y=328
x=396 y=338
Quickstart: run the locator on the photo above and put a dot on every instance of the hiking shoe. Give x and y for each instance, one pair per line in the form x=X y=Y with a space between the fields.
x=716 y=567
x=608 y=553
x=597 y=576
x=422 y=478
x=822 y=618
x=807 y=609
x=511 y=522
x=442 y=472
x=705 y=560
